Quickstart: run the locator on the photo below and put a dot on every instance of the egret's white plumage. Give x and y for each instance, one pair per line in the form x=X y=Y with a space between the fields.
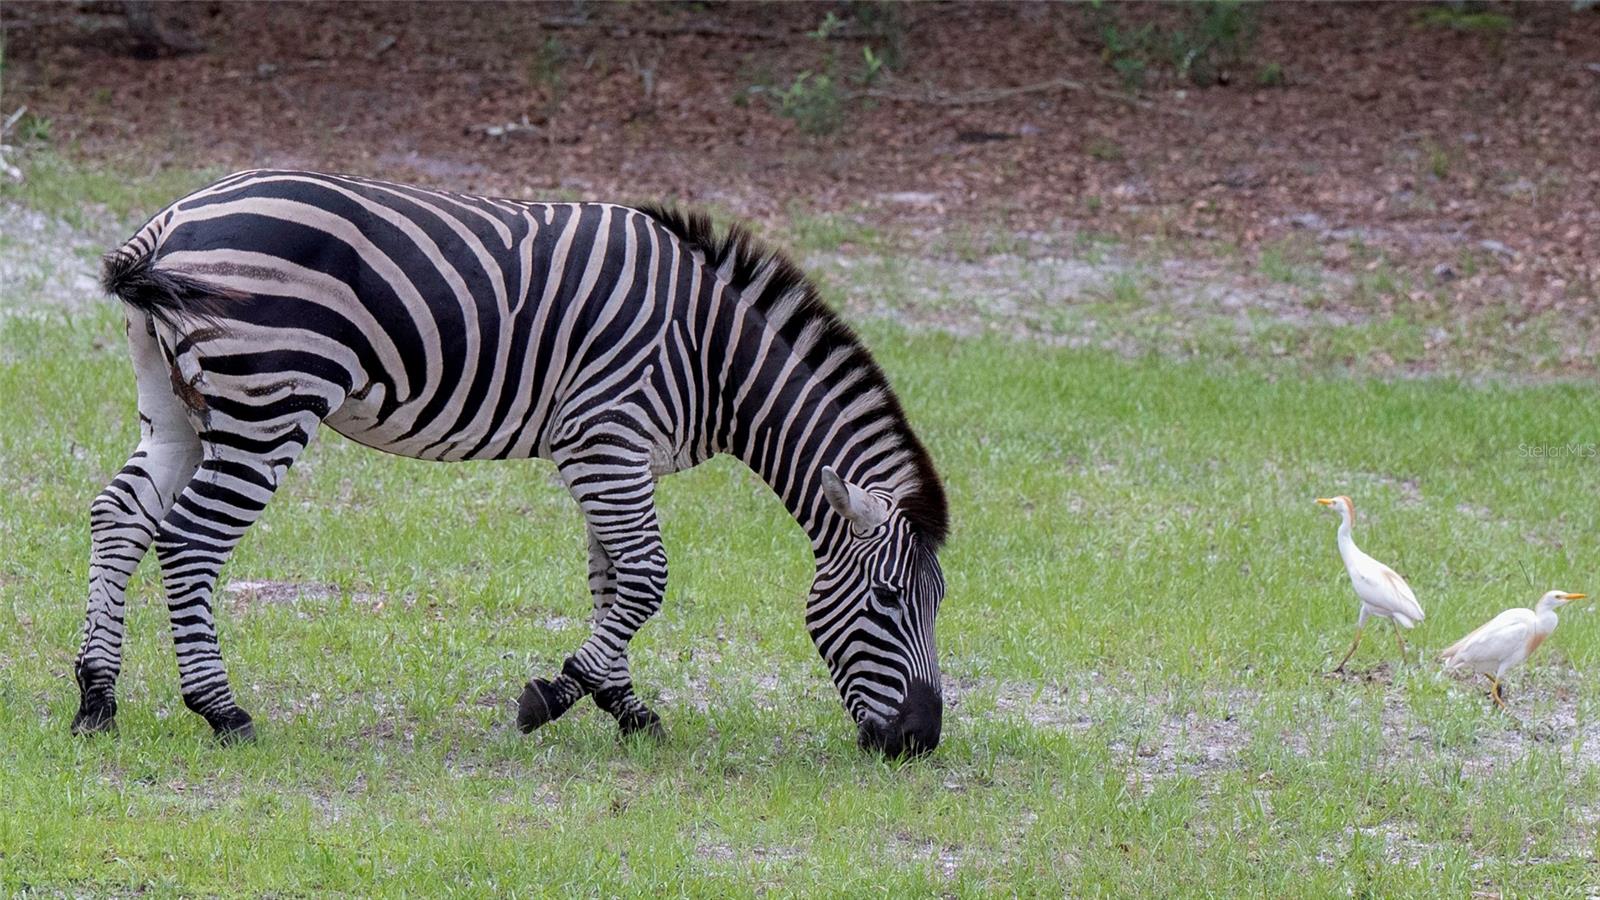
x=1382 y=592
x=1506 y=640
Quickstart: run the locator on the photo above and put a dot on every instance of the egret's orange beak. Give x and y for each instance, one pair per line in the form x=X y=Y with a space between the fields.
x=1324 y=501
x=1571 y=597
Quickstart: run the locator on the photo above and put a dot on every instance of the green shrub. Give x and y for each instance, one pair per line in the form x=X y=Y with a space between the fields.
x=1214 y=40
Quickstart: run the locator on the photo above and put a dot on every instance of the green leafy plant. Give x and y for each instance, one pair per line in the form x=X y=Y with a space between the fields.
x=814 y=101
x=819 y=98
x=30 y=129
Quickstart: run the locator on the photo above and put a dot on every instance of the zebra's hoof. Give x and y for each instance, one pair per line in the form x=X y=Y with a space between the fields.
x=646 y=723
x=232 y=727
x=95 y=718
x=534 y=707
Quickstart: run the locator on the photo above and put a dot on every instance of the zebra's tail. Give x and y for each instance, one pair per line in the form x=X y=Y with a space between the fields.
x=169 y=297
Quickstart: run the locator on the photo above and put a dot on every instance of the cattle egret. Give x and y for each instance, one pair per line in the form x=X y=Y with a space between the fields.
x=1506 y=640
x=1382 y=592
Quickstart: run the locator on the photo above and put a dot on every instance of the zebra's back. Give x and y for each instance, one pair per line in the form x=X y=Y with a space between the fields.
x=434 y=324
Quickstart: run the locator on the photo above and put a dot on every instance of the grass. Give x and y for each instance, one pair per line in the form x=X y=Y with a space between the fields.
x=1143 y=559
x=1142 y=603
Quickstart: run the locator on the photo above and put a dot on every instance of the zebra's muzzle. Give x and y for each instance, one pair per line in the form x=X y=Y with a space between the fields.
x=914 y=732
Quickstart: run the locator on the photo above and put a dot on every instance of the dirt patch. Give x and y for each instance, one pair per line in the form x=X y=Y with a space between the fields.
x=45 y=264
x=945 y=858
x=1191 y=743
x=247 y=595
x=757 y=854
x=1159 y=734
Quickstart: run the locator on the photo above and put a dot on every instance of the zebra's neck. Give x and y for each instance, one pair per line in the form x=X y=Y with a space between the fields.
x=786 y=416
x=788 y=388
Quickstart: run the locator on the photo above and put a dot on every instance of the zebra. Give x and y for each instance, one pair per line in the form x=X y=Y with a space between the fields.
x=621 y=343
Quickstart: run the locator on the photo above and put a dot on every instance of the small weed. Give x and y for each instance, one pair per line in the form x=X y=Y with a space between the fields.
x=543 y=70
x=1270 y=75
x=963 y=243
x=1276 y=265
x=1378 y=285
x=1105 y=150
x=872 y=66
x=1438 y=160
x=1125 y=289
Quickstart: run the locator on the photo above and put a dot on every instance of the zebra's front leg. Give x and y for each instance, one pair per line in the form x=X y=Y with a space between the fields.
x=225 y=497
x=616 y=696
x=620 y=508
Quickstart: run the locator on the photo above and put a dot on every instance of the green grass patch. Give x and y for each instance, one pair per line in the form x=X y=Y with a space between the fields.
x=85 y=196
x=1463 y=18
x=1143 y=599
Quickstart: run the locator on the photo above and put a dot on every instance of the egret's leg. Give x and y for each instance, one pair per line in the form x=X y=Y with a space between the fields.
x=1494 y=691
x=1352 y=651
x=1400 y=642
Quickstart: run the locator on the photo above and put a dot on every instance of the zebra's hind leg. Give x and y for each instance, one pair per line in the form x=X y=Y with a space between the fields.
x=123 y=521
x=611 y=481
x=242 y=467
x=616 y=695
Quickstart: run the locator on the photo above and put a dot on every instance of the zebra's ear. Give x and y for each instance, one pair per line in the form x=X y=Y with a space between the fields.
x=864 y=511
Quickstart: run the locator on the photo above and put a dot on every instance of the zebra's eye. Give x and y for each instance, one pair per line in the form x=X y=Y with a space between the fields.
x=886 y=598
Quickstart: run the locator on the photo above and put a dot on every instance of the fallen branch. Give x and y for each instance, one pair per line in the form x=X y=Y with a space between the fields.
x=507 y=129
x=90 y=21
x=12 y=119
x=702 y=29
x=994 y=95
x=6 y=168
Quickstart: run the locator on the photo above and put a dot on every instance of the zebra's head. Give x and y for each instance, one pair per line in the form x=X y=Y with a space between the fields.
x=871 y=614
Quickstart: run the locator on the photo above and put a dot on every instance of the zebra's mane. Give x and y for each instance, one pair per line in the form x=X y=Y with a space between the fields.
x=776 y=281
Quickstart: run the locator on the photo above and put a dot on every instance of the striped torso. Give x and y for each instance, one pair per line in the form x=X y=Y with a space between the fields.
x=457 y=327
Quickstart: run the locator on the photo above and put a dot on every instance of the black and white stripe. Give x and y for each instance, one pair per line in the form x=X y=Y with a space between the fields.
x=623 y=344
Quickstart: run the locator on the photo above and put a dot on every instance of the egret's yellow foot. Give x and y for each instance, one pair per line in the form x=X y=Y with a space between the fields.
x=1494 y=692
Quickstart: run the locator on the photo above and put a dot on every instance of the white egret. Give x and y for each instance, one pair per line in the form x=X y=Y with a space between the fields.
x=1506 y=640
x=1382 y=592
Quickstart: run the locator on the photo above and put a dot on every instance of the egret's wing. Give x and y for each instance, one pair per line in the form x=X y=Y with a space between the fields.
x=1449 y=652
x=1493 y=641
x=1379 y=586
x=1405 y=601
